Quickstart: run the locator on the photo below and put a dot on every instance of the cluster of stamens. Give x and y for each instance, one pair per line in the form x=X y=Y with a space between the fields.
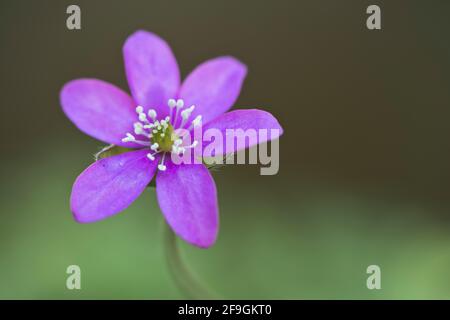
x=164 y=135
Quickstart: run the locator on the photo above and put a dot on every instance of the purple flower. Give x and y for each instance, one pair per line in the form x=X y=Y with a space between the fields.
x=148 y=122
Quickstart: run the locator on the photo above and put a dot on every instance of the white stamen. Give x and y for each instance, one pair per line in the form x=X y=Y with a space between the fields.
x=154 y=146
x=186 y=113
x=180 y=103
x=142 y=117
x=139 y=129
x=139 y=109
x=197 y=120
x=152 y=114
x=150 y=156
x=171 y=103
x=129 y=138
x=161 y=166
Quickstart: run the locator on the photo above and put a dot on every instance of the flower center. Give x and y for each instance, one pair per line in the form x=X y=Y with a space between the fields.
x=163 y=135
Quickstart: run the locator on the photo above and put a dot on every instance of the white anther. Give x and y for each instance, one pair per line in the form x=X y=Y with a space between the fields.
x=129 y=138
x=180 y=103
x=187 y=112
x=161 y=165
x=152 y=114
x=139 y=109
x=178 y=142
x=150 y=156
x=171 y=103
x=167 y=119
x=139 y=128
x=142 y=117
x=197 y=120
x=154 y=146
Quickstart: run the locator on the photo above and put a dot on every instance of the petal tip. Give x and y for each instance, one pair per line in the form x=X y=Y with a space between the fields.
x=241 y=68
x=202 y=243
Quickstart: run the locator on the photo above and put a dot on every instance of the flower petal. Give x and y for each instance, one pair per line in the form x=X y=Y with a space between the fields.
x=248 y=119
x=188 y=199
x=110 y=185
x=99 y=109
x=152 y=71
x=213 y=87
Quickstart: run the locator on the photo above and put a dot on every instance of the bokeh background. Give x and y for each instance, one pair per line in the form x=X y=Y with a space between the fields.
x=365 y=159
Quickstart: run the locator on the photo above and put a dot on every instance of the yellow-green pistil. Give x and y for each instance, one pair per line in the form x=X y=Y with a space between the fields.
x=161 y=135
x=164 y=136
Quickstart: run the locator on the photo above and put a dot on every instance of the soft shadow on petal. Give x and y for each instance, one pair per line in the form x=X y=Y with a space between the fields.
x=152 y=71
x=188 y=199
x=110 y=185
x=99 y=109
x=213 y=87
x=243 y=123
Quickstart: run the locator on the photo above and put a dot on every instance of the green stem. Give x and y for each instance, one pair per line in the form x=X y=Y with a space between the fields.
x=181 y=274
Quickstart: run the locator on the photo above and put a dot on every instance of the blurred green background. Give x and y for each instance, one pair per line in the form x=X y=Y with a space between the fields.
x=365 y=159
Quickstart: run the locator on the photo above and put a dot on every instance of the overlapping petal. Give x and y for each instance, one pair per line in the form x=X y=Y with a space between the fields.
x=240 y=129
x=99 y=109
x=110 y=185
x=213 y=87
x=188 y=199
x=152 y=71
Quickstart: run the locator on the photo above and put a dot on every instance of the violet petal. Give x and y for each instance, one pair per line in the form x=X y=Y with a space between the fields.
x=213 y=87
x=99 y=109
x=152 y=71
x=110 y=185
x=188 y=199
x=243 y=119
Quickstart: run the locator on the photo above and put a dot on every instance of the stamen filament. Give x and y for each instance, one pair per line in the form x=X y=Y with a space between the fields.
x=161 y=165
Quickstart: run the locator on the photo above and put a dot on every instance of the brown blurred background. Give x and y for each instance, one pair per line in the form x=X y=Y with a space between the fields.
x=365 y=115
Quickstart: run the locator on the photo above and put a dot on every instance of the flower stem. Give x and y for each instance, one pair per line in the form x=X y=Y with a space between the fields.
x=185 y=280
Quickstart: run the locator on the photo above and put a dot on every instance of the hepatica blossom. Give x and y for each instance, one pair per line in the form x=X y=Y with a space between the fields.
x=152 y=121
